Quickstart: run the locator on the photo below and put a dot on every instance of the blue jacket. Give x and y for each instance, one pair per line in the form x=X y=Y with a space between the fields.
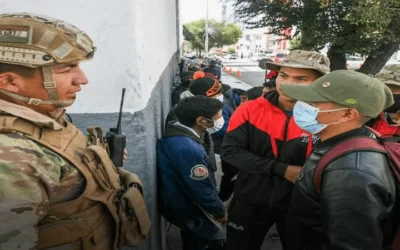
x=183 y=175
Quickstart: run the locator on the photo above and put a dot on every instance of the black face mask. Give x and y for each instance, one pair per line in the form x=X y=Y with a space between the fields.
x=396 y=106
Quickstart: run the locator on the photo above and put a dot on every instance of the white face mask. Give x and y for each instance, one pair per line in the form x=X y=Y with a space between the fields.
x=220 y=98
x=218 y=124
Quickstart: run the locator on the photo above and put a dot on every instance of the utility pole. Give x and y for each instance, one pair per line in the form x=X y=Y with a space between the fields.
x=206 y=29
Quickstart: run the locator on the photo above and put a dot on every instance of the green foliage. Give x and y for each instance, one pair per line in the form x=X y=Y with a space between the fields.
x=193 y=33
x=231 y=51
x=220 y=34
x=351 y=26
x=295 y=42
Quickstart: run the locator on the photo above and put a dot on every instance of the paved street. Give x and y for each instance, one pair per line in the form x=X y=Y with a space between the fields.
x=251 y=73
x=173 y=236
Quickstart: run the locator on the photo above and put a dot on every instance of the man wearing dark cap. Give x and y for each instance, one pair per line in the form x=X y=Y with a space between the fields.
x=186 y=78
x=214 y=69
x=353 y=206
x=268 y=148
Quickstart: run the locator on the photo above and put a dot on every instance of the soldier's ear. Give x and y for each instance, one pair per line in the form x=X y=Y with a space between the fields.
x=9 y=81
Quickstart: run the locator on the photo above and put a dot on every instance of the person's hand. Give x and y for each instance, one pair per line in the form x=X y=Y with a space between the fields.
x=223 y=220
x=292 y=172
x=125 y=154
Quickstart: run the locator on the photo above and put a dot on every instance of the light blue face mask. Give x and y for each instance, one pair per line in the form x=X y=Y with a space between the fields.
x=305 y=117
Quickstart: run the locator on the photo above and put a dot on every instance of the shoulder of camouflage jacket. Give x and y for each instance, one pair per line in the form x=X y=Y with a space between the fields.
x=27 y=173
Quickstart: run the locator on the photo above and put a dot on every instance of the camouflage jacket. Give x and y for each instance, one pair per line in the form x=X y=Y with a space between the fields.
x=32 y=178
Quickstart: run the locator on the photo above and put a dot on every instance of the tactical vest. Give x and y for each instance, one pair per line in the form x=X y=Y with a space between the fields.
x=109 y=214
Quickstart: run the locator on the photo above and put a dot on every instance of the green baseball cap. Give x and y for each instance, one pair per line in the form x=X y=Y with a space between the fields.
x=348 y=88
x=303 y=59
x=390 y=75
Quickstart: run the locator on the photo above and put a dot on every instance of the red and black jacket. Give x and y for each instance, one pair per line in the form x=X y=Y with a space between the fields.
x=384 y=128
x=262 y=141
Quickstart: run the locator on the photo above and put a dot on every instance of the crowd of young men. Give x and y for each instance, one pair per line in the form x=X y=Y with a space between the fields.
x=272 y=146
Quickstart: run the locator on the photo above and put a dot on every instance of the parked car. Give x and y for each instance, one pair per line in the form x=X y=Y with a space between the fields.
x=279 y=57
x=354 y=61
x=259 y=57
x=233 y=56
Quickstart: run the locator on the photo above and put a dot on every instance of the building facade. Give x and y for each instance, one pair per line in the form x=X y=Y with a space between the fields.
x=254 y=41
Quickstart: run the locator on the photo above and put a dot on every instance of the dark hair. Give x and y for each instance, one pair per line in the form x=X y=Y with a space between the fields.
x=186 y=78
x=270 y=84
x=188 y=109
x=193 y=68
x=20 y=70
x=253 y=93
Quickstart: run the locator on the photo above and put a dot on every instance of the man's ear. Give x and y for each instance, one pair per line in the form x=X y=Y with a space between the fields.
x=200 y=120
x=9 y=81
x=350 y=114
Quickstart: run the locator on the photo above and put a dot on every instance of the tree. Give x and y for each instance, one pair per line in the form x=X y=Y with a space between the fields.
x=367 y=27
x=220 y=34
x=231 y=51
x=295 y=42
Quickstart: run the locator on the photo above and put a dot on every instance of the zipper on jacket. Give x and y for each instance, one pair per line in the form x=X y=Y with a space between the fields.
x=286 y=127
x=285 y=130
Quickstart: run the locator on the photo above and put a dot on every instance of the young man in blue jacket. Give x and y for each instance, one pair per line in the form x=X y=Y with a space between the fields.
x=188 y=197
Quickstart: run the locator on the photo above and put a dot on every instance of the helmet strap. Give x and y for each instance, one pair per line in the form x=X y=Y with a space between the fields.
x=50 y=86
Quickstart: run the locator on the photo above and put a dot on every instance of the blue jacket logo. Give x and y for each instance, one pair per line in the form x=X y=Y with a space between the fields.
x=199 y=172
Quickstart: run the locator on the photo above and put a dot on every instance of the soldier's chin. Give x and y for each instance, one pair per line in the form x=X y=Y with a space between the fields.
x=65 y=103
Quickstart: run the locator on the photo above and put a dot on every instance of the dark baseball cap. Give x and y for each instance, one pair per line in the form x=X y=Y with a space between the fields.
x=348 y=88
x=205 y=86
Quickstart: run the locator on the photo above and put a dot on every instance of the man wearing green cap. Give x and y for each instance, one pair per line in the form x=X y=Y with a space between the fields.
x=388 y=122
x=353 y=208
x=268 y=148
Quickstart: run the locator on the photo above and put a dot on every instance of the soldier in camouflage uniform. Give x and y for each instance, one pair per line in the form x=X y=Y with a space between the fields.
x=388 y=122
x=58 y=188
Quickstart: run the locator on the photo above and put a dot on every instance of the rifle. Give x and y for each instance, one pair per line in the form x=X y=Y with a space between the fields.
x=116 y=139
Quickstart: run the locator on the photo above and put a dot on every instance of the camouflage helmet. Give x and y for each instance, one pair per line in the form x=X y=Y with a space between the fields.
x=33 y=41
x=390 y=75
x=37 y=41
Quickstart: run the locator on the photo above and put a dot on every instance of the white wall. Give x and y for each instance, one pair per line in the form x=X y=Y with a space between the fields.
x=135 y=41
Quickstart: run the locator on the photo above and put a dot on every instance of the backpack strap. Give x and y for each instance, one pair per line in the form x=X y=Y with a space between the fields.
x=346 y=147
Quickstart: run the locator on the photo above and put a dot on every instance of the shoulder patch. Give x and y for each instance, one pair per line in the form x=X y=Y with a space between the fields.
x=199 y=172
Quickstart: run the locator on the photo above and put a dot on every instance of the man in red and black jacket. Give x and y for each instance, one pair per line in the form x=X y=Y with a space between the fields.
x=388 y=122
x=268 y=148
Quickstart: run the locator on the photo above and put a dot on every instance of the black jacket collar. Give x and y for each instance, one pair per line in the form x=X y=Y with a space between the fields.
x=358 y=132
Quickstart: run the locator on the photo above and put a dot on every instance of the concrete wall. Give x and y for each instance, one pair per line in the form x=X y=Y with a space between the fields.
x=137 y=44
